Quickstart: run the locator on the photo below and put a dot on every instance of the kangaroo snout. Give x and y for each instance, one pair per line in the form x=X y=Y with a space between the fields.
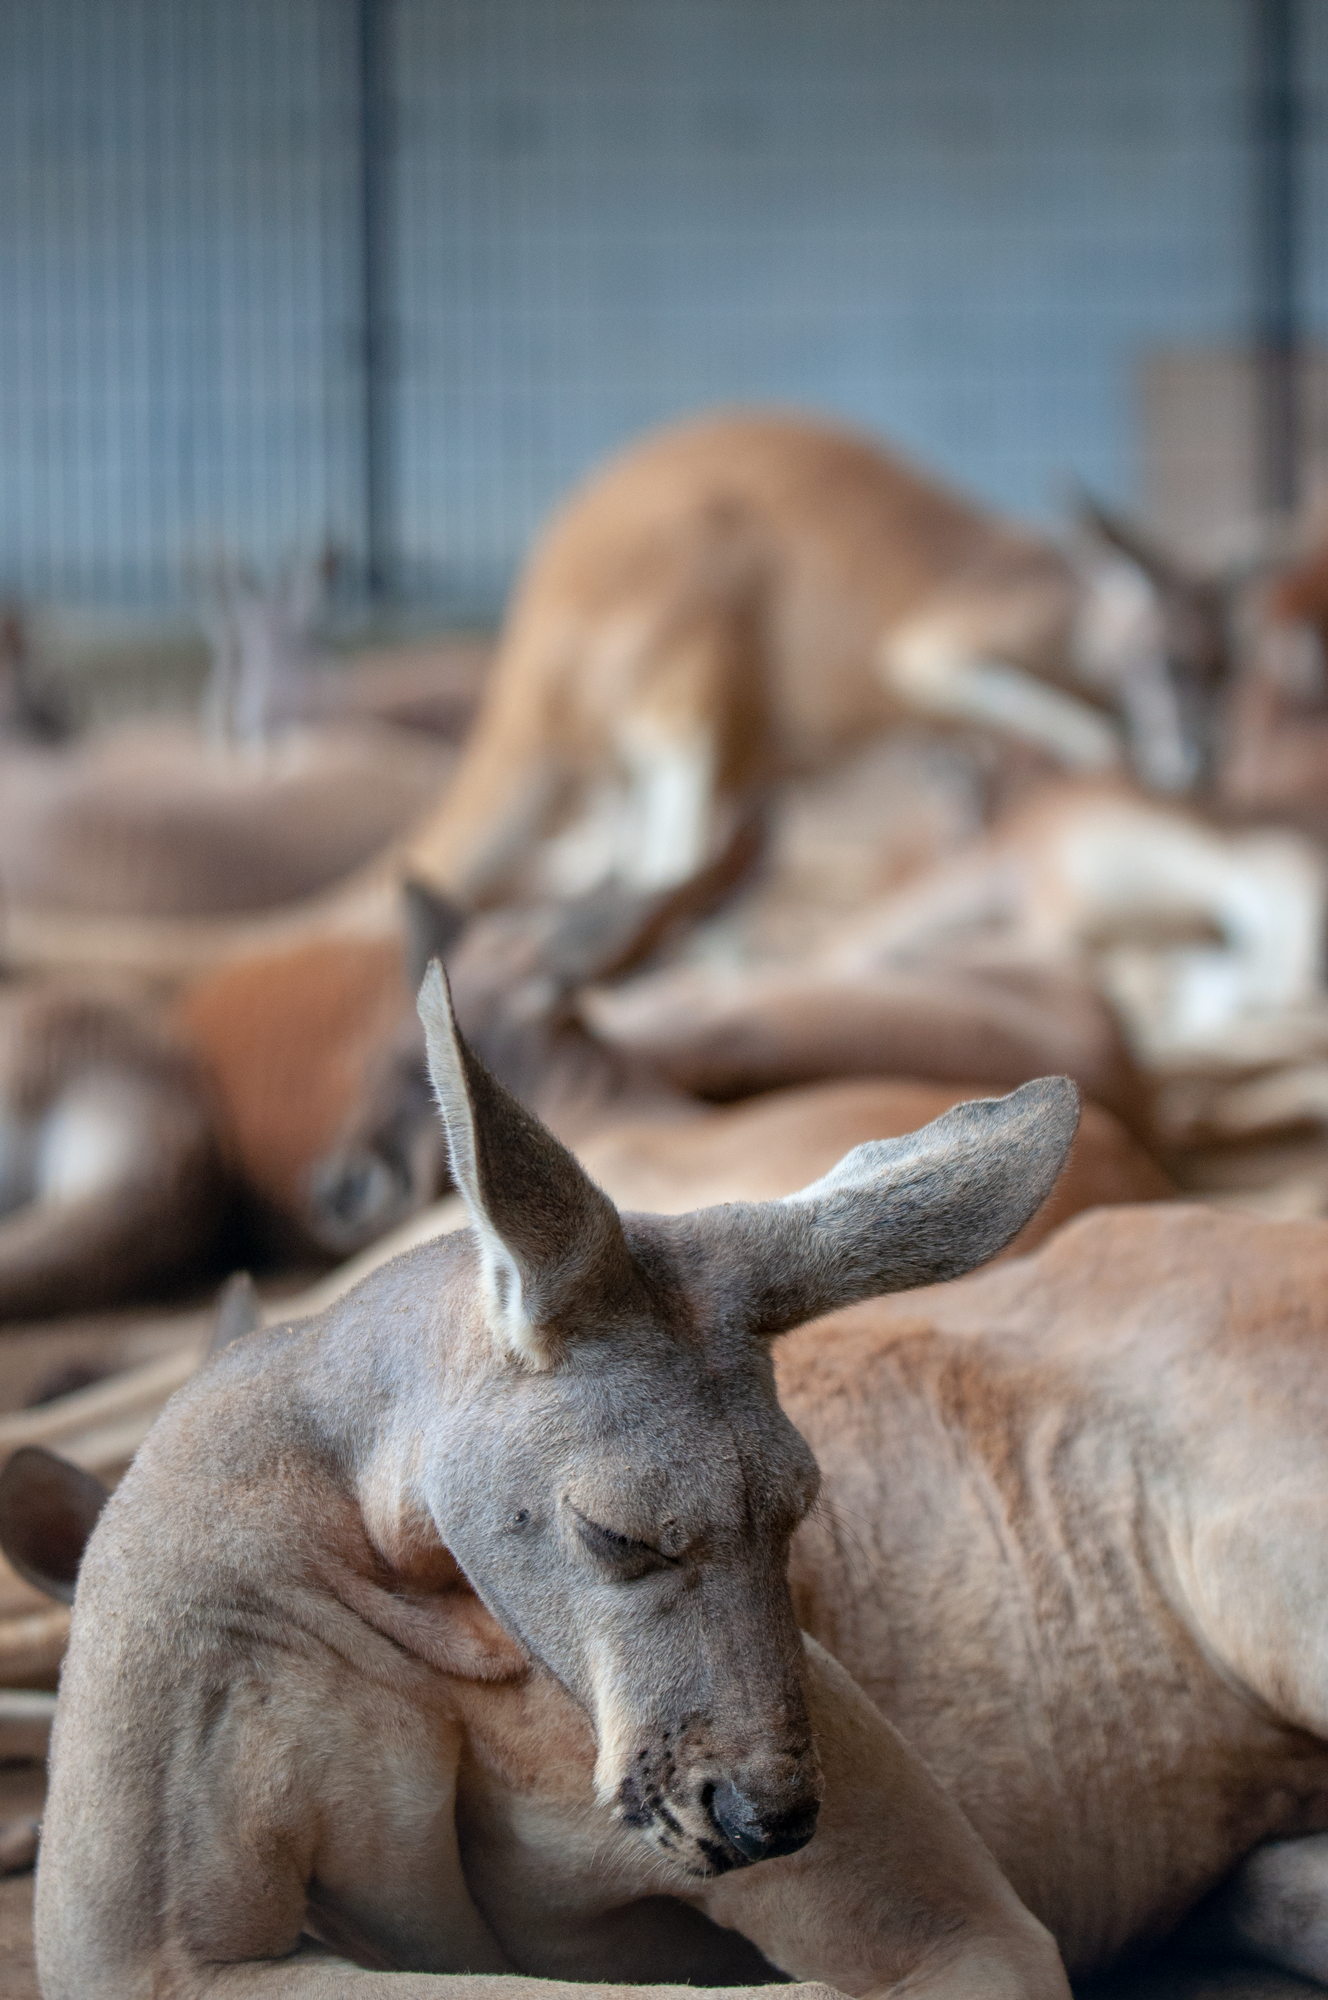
x=710 y=1814
x=760 y=1824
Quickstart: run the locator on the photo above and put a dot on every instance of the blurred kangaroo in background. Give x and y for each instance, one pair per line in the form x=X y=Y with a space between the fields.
x=748 y=595
x=517 y=975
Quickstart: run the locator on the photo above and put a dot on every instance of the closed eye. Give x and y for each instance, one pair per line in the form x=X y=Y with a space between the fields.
x=628 y=1557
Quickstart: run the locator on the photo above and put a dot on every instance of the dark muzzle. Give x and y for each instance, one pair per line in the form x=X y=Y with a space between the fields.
x=757 y=1831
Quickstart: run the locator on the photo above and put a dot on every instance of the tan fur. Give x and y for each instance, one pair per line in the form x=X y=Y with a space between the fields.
x=728 y=1033
x=1044 y=1551
x=753 y=592
x=151 y=851
x=1071 y=1545
x=286 y=1038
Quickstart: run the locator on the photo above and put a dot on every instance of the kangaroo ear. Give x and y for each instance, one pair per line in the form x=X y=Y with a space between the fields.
x=893 y=1214
x=433 y=924
x=48 y=1508
x=238 y=1311
x=554 y=1258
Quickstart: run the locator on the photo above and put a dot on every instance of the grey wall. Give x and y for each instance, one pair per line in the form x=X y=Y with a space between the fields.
x=957 y=221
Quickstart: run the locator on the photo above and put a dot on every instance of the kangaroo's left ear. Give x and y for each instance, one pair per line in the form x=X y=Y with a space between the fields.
x=48 y=1509
x=554 y=1257
x=893 y=1214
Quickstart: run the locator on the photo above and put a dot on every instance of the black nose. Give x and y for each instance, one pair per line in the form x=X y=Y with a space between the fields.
x=760 y=1835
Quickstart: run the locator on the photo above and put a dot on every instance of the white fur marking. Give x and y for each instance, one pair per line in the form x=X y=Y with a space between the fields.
x=926 y=669
x=672 y=791
x=91 y=1136
x=1119 y=643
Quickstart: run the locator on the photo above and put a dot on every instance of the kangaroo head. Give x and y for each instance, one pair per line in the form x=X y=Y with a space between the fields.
x=515 y=973
x=613 y=1471
x=1161 y=631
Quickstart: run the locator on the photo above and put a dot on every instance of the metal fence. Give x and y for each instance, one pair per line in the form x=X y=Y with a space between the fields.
x=391 y=273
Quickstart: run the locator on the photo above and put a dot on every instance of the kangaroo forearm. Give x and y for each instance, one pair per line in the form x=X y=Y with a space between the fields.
x=902 y=1900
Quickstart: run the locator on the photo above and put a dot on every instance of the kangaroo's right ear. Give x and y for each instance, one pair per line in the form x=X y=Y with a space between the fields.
x=48 y=1509
x=554 y=1259
x=893 y=1214
x=433 y=925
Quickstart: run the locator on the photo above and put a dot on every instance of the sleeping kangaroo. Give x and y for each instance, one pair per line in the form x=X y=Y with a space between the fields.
x=490 y=1561
x=1068 y=1544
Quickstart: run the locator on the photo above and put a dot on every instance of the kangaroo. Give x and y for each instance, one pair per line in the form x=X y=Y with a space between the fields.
x=149 y=820
x=1065 y=1542
x=516 y=976
x=726 y=1032
x=111 y=1180
x=489 y=1562
x=1275 y=750
x=1203 y=937
x=300 y=1075
x=750 y=594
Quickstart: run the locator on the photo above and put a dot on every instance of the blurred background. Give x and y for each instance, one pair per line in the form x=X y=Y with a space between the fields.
x=387 y=275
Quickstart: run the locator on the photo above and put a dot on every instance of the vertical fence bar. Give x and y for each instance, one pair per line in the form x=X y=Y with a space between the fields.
x=376 y=140
x=1277 y=201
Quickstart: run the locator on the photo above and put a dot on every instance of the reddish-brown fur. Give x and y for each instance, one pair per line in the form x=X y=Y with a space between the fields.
x=287 y=1038
x=733 y=580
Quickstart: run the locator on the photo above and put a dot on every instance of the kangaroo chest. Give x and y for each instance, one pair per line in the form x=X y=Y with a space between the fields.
x=567 y=1891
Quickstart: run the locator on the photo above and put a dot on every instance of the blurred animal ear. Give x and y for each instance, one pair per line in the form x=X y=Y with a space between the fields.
x=612 y=929
x=1107 y=524
x=893 y=1214
x=552 y=1251
x=238 y=1312
x=48 y=1509
x=433 y=925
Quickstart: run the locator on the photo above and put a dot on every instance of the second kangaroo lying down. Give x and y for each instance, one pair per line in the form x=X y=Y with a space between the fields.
x=286 y=1710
